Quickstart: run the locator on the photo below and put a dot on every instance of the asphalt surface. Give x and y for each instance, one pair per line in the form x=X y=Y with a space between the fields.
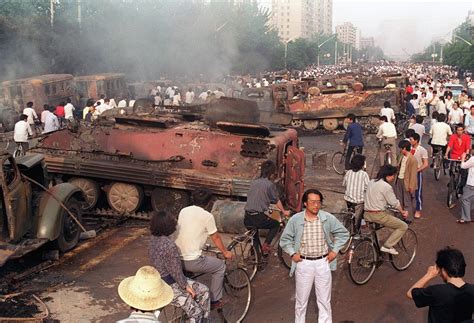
x=82 y=286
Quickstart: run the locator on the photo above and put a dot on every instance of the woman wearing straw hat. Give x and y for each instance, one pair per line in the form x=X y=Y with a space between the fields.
x=146 y=293
x=191 y=296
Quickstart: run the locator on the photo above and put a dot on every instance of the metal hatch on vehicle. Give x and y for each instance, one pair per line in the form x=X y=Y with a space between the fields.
x=244 y=129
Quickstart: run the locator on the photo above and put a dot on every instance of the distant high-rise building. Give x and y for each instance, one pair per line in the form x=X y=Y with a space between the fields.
x=301 y=18
x=347 y=33
x=366 y=42
x=324 y=16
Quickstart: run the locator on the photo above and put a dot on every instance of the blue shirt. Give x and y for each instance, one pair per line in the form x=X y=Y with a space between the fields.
x=410 y=109
x=354 y=135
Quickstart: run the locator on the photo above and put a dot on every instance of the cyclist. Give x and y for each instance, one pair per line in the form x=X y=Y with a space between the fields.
x=353 y=138
x=388 y=112
x=195 y=225
x=387 y=134
x=380 y=194
x=439 y=132
x=355 y=182
x=261 y=194
x=22 y=131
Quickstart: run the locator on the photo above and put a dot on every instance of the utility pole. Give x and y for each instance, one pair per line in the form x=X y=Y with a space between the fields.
x=51 y=9
x=335 y=53
x=79 y=15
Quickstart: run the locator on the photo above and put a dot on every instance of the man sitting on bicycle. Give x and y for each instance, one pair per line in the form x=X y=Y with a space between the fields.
x=22 y=131
x=387 y=134
x=353 y=138
x=262 y=193
x=439 y=132
x=379 y=195
x=195 y=225
x=459 y=143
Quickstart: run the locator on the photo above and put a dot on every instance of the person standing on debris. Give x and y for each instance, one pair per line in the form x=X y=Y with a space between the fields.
x=353 y=138
x=195 y=225
x=313 y=239
x=189 y=295
x=69 y=110
x=261 y=194
x=59 y=112
x=51 y=122
x=189 y=97
x=87 y=108
x=46 y=110
x=219 y=93
x=32 y=116
x=452 y=301
x=21 y=132
x=177 y=98
x=146 y=294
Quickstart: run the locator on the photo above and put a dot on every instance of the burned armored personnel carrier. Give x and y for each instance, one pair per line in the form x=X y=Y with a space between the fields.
x=153 y=161
x=309 y=104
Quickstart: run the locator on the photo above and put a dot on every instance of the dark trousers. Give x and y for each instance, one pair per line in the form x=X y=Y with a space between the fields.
x=349 y=152
x=260 y=220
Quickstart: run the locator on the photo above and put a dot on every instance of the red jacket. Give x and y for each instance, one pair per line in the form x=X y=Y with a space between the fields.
x=457 y=149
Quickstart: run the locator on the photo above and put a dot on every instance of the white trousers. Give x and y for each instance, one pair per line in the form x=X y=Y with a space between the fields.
x=317 y=272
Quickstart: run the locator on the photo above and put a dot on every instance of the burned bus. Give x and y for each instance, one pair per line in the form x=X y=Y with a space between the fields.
x=110 y=85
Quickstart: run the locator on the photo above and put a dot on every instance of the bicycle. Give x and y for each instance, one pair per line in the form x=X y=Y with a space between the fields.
x=19 y=150
x=365 y=255
x=387 y=159
x=237 y=295
x=438 y=164
x=454 y=184
x=402 y=123
x=348 y=220
x=338 y=160
x=247 y=248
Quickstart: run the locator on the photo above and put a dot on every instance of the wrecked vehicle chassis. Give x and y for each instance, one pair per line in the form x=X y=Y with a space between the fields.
x=150 y=164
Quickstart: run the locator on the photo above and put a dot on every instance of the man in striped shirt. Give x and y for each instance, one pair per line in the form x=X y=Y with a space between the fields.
x=355 y=182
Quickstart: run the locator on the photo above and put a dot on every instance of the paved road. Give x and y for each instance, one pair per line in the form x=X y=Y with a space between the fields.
x=83 y=287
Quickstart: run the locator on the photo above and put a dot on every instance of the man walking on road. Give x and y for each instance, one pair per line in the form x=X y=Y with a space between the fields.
x=468 y=191
x=421 y=156
x=449 y=302
x=353 y=138
x=406 y=182
x=313 y=238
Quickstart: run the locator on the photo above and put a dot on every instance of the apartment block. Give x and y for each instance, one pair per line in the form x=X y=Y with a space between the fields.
x=347 y=33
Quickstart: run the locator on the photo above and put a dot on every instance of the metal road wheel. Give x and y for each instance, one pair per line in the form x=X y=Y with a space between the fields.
x=285 y=258
x=338 y=162
x=362 y=262
x=245 y=257
x=451 y=192
x=406 y=248
x=237 y=298
x=296 y=123
x=90 y=188
x=69 y=230
x=124 y=198
x=311 y=124
x=330 y=124
x=172 y=314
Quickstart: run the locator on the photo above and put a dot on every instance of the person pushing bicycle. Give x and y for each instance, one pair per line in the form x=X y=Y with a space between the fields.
x=261 y=194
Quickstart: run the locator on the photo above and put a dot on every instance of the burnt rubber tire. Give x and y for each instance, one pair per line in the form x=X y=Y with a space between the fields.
x=69 y=231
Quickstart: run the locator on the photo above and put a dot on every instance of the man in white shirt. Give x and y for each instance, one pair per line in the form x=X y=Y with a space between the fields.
x=32 y=116
x=22 y=131
x=456 y=115
x=440 y=132
x=219 y=93
x=414 y=102
x=387 y=134
x=51 y=122
x=467 y=105
x=69 y=110
x=195 y=225
x=449 y=102
x=388 y=112
x=46 y=109
x=203 y=96
x=418 y=126
x=122 y=103
x=468 y=190
x=189 y=96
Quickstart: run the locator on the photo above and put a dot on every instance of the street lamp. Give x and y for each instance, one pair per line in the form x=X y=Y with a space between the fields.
x=324 y=42
x=460 y=38
x=434 y=55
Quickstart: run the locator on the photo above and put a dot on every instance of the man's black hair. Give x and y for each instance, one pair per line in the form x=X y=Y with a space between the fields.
x=419 y=119
x=304 y=199
x=452 y=261
x=385 y=171
x=415 y=137
x=162 y=223
x=351 y=116
x=386 y=104
x=357 y=162
x=409 y=133
x=267 y=169
x=29 y=104
x=201 y=197
x=383 y=118
x=23 y=117
x=441 y=117
x=404 y=144
x=68 y=100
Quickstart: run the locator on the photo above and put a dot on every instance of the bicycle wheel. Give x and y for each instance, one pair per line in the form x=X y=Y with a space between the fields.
x=338 y=162
x=451 y=193
x=362 y=262
x=285 y=258
x=387 y=159
x=348 y=223
x=406 y=248
x=172 y=314
x=237 y=299
x=18 y=152
x=437 y=167
x=245 y=256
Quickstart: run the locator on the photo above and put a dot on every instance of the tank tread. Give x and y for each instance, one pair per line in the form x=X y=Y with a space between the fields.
x=146 y=216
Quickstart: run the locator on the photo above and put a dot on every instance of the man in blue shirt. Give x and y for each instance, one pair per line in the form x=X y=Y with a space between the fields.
x=354 y=137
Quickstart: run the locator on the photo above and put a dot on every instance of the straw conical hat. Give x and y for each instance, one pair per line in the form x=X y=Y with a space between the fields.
x=146 y=290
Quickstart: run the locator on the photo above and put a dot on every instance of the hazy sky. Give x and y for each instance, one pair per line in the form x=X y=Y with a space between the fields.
x=401 y=26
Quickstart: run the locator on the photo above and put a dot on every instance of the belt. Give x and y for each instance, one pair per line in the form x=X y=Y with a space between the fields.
x=314 y=258
x=253 y=212
x=373 y=211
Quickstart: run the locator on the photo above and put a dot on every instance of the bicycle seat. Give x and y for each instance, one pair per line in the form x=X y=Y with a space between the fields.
x=374 y=226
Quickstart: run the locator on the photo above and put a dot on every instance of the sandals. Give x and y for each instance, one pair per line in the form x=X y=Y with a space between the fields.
x=461 y=221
